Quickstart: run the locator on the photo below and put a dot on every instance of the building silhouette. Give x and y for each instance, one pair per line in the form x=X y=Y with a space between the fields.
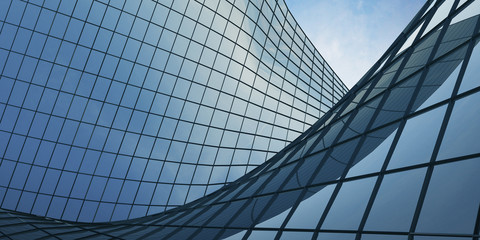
x=395 y=158
x=120 y=109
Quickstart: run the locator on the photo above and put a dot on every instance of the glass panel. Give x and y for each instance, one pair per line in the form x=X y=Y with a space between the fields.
x=472 y=73
x=373 y=152
x=397 y=102
x=237 y=236
x=383 y=237
x=452 y=201
x=274 y=222
x=410 y=39
x=430 y=7
x=335 y=236
x=283 y=201
x=440 y=14
x=460 y=3
x=361 y=120
x=381 y=66
x=336 y=163
x=262 y=235
x=443 y=91
x=396 y=201
x=310 y=210
x=304 y=173
x=439 y=238
x=296 y=235
x=470 y=11
x=455 y=35
x=346 y=214
x=418 y=139
x=441 y=78
x=463 y=129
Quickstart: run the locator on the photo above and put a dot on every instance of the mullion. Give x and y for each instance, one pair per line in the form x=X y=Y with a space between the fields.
x=126 y=155
x=384 y=97
x=203 y=96
x=257 y=126
x=84 y=154
x=357 y=149
x=8 y=100
x=262 y=108
x=196 y=22
x=96 y=121
x=115 y=115
x=136 y=193
x=98 y=117
x=451 y=103
x=161 y=122
x=114 y=80
x=11 y=91
x=208 y=125
x=4 y=66
x=402 y=81
x=70 y=106
x=26 y=137
x=402 y=123
x=112 y=31
x=229 y=112
x=35 y=111
x=144 y=20
x=324 y=159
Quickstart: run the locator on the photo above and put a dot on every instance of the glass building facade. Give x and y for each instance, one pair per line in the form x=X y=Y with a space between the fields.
x=118 y=109
x=396 y=158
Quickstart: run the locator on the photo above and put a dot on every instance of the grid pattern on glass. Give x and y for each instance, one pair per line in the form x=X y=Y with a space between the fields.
x=128 y=108
x=305 y=191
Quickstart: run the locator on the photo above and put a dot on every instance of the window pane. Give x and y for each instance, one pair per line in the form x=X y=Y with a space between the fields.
x=395 y=202
x=472 y=73
x=296 y=235
x=310 y=210
x=421 y=129
x=452 y=200
x=335 y=236
x=346 y=214
x=372 y=153
x=463 y=130
x=440 y=14
x=382 y=237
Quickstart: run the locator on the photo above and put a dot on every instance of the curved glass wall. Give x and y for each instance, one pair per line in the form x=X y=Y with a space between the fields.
x=118 y=109
x=397 y=158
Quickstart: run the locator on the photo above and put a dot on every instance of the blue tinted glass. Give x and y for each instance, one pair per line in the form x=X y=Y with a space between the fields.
x=344 y=213
x=396 y=201
x=304 y=215
x=375 y=147
x=445 y=89
x=382 y=237
x=263 y=234
x=462 y=128
x=102 y=103
x=451 y=204
x=335 y=236
x=296 y=235
x=274 y=222
x=424 y=129
x=470 y=78
x=439 y=238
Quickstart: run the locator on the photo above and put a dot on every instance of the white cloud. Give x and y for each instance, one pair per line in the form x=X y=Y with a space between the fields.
x=352 y=35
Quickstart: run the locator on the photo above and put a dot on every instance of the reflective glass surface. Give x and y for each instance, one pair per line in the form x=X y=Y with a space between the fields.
x=396 y=158
x=165 y=102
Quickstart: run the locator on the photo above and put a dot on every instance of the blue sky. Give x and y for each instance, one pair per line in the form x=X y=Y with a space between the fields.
x=352 y=34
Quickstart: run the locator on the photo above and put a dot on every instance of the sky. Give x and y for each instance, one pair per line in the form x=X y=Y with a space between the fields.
x=353 y=34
